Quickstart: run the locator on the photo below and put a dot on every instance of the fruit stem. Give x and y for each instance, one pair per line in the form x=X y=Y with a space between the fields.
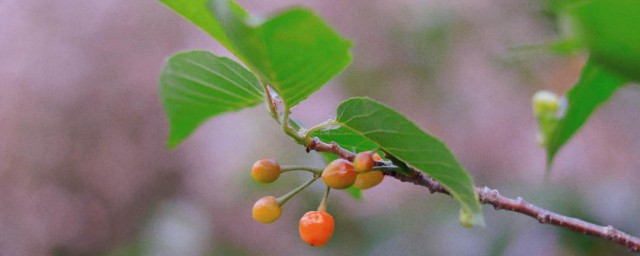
x=323 y=204
x=300 y=168
x=283 y=199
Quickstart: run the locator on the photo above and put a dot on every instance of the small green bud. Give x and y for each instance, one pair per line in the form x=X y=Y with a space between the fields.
x=469 y=220
x=545 y=102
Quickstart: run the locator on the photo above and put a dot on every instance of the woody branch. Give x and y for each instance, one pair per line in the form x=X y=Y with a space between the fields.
x=492 y=197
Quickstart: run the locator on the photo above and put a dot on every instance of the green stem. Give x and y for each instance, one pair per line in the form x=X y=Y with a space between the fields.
x=269 y=100
x=320 y=126
x=300 y=168
x=283 y=199
x=323 y=203
x=285 y=119
x=288 y=130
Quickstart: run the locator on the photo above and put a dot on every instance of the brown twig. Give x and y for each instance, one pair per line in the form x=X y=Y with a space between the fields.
x=498 y=201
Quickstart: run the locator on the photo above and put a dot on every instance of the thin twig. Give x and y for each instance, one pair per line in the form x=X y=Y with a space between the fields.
x=499 y=202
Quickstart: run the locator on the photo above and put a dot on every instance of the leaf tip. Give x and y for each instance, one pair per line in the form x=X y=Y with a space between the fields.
x=469 y=219
x=355 y=193
x=172 y=143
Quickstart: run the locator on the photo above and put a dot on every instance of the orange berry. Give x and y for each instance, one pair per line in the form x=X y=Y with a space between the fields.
x=376 y=157
x=363 y=162
x=368 y=179
x=265 y=170
x=316 y=228
x=339 y=174
x=266 y=210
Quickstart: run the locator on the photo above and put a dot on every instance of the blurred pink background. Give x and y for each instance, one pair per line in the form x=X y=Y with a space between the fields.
x=84 y=170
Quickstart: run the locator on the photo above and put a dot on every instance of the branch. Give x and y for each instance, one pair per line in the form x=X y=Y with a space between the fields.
x=490 y=196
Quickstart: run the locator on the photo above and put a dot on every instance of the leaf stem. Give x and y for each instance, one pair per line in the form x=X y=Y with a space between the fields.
x=288 y=130
x=286 y=121
x=391 y=168
x=269 y=100
x=320 y=126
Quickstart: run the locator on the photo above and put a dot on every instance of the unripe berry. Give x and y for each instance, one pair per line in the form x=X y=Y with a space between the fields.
x=368 y=179
x=545 y=101
x=265 y=170
x=363 y=162
x=339 y=174
x=316 y=228
x=266 y=210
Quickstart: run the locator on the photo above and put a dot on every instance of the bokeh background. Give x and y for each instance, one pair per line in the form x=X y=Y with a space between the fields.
x=84 y=170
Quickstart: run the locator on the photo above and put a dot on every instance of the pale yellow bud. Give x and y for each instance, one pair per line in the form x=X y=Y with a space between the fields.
x=545 y=102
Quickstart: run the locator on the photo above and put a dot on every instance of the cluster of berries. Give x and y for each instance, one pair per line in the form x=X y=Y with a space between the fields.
x=315 y=227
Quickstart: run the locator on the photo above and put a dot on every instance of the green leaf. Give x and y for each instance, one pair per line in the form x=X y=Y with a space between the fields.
x=354 y=192
x=394 y=133
x=610 y=29
x=595 y=87
x=198 y=85
x=296 y=52
x=197 y=13
x=346 y=138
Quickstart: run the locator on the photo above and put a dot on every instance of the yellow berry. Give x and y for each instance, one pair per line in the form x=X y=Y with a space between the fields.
x=339 y=174
x=363 y=162
x=265 y=170
x=368 y=179
x=266 y=210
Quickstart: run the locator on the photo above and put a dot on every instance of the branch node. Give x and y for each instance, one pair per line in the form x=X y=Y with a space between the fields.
x=334 y=146
x=543 y=217
x=610 y=232
x=312 y=144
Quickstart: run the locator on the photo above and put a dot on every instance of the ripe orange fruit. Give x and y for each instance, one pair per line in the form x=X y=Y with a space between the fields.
x=316 y=228
x=339 y=174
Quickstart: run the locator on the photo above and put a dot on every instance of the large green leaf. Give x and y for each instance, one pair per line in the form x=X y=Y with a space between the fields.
x=595 y=87
x=346 y=138
x=196 y=11
x=394 y=133
x=296 y=52
x=198 y=85
x=610 y=29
